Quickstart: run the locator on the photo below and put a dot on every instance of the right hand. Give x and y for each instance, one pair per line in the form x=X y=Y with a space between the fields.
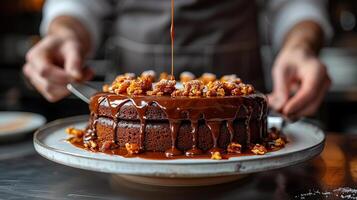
x=53 y=63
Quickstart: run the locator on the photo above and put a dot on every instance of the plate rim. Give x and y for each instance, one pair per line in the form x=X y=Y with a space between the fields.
x=79 y=118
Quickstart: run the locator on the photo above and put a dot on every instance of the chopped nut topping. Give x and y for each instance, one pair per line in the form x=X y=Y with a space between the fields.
x=207 y=77
x=235 y=89
x=192 y=88
x=166 y=76
x=216 y=156
x=139 y=86
x=259 y=149
x=231 y=78
x=121 y=83
x=215 y=88
x=132 y=148
x=279 y=142
x=186 y=76
x=149 y=74
x=164 y=87
x=105 y=88
x=75 y=132
x=234 y=148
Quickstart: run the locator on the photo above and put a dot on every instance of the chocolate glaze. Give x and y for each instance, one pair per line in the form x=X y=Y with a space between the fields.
x=215 y=111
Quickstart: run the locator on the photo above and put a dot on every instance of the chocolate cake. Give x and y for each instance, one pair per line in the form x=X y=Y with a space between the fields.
x=198 y=119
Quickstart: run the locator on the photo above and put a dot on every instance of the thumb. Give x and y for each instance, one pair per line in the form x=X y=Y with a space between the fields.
x=73 y=62
x=280 y=94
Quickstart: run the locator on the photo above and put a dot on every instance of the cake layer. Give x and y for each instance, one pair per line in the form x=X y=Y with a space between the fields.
x=157 y=135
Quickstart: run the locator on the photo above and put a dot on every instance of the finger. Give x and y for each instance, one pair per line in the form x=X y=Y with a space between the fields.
x=314 y=105
x=73 y=61
x=51 y=91
x=42 y=64
x=310 y=84
x=280 y=92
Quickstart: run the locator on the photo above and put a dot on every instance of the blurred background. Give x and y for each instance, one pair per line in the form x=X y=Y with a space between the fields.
x=19 y=30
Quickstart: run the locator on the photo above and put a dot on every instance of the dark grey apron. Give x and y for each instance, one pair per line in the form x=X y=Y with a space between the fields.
x=210 y=36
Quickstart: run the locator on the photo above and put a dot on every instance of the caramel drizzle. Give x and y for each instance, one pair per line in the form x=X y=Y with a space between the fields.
x=174 y=115
x=172 y=34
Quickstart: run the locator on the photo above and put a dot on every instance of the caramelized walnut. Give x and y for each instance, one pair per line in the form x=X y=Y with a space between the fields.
x=75 y=132
x=166 y=76
x=279 y=142
x=231 y=78
x=192 y=88
x=132 y=148
x=163 y=87
x=139 y=86
x=90 y=145
x=216 y=156
x=186 y=76
x=106 y=88
x=235 y=89
x=234 y=148
x=215 y=88
x=121 y=83
x=149 y=74
x=259 y=149
x=207 y=77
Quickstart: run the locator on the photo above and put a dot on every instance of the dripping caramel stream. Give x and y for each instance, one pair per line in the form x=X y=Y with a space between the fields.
x=172 y=34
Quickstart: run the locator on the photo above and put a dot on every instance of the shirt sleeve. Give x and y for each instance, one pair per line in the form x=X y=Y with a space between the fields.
x=88 y=12
x=287 y=13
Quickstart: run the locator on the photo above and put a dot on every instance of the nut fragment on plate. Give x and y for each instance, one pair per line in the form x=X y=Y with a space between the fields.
x=259 y=149
x=216 y=156
x=186 y=76
x=192 y=88
x=215 y=88
x=279 y=142
x=163 y=87
x=234 y=148
x=139 y=86
x=207 y=77
x=90 y=144
x=132 y=148
x=75 y=132
x=149 y=74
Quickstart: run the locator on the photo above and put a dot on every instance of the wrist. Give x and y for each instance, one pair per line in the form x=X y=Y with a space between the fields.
x=306 y=35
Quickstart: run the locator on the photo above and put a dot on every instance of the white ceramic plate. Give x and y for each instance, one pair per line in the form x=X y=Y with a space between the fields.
x=17 y=124
x=305 y=142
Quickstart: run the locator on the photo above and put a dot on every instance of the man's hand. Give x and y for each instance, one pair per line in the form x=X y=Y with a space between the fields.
x=300 y=80
x=55 y=61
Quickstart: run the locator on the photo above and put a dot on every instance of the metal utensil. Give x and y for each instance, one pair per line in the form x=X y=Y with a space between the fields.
x=85 y=90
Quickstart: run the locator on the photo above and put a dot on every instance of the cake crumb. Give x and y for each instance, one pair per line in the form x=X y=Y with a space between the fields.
x=279 y=142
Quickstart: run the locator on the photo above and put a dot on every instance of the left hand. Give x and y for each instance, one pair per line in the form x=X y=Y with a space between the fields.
x=300 y=82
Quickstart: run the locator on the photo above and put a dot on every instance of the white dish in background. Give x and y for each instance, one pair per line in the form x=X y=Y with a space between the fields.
x=305 y=142
x=17 y=124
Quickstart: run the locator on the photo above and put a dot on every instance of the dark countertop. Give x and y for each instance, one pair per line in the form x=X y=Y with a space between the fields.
x=333 y=175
